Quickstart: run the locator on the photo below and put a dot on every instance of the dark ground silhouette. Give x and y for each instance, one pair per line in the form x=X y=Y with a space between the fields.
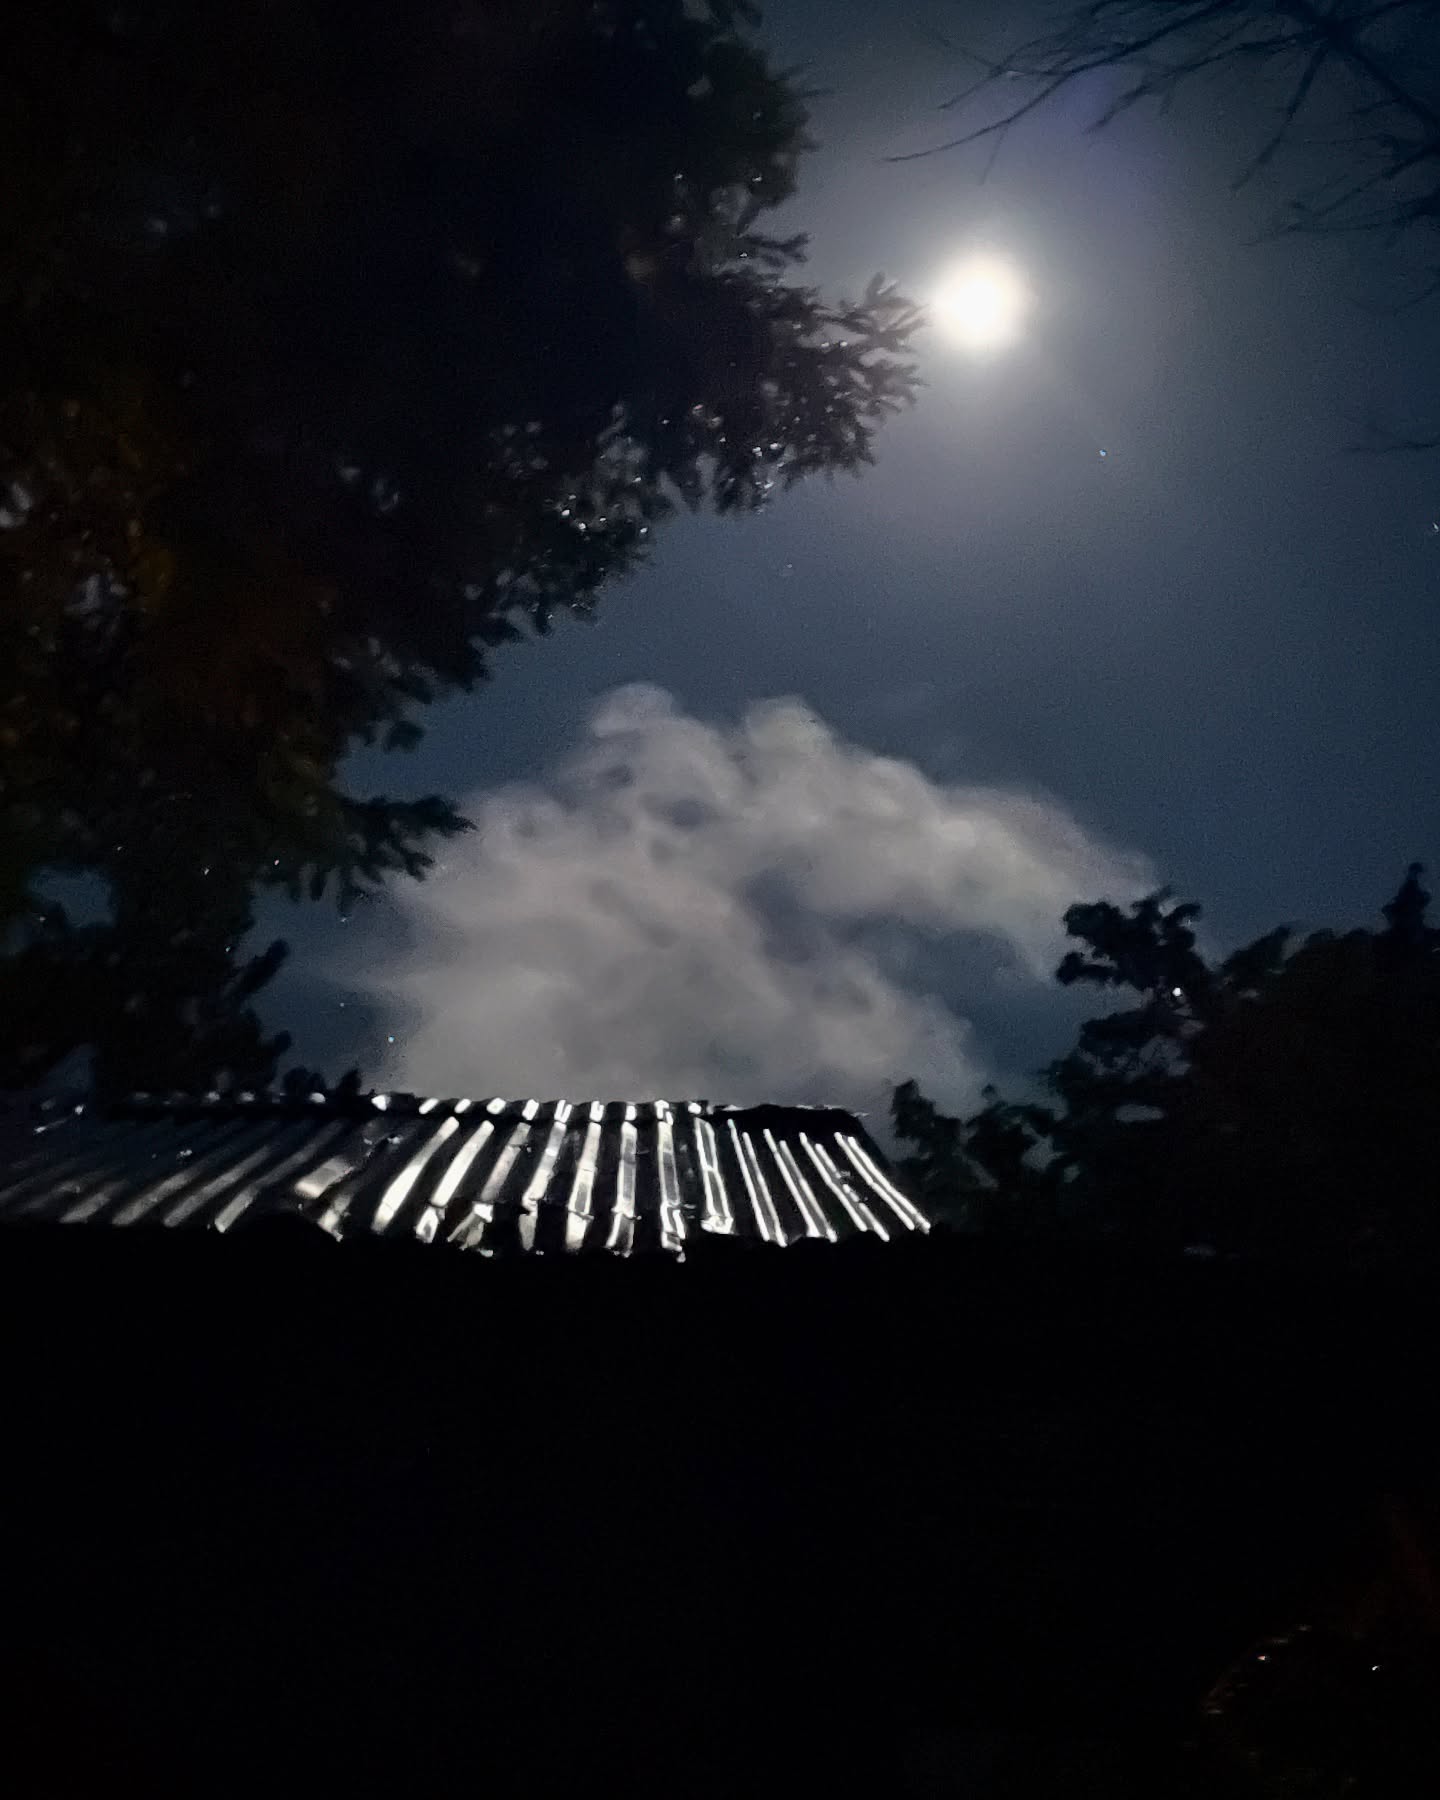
x=947 y=1518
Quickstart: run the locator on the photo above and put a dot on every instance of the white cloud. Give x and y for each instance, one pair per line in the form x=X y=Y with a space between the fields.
x=690 y=909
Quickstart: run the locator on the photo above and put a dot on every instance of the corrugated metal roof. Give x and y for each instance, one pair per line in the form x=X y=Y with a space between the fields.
x=488 y=1175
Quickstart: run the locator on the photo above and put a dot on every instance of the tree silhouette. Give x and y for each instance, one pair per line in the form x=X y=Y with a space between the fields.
x=1280 y=1102
x=341 y=345
x=1358 y=77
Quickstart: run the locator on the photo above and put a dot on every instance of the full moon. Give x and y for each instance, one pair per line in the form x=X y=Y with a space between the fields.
x=981 y=304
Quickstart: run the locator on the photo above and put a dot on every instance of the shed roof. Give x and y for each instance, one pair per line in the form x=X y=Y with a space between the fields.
x=497 y=1174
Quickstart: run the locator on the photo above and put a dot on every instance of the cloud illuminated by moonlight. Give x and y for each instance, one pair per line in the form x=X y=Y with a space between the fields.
x=690 y=909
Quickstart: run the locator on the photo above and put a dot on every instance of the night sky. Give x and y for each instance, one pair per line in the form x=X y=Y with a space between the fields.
x=1116 y=607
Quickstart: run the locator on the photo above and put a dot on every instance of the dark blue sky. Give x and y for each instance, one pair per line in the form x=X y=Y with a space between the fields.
x=1214 y=647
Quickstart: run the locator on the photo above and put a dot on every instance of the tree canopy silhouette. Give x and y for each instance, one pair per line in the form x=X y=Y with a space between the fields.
x=340 y=345
x=1280 y=1101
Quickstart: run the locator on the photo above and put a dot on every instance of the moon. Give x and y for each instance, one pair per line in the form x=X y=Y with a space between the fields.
x=981 y=304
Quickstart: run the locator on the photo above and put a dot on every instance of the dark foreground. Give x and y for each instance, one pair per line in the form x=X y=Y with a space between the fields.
x=938 y=1519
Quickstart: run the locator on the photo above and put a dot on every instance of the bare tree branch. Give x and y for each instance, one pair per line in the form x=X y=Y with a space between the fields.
x=1288 y=114
x=1392 y=136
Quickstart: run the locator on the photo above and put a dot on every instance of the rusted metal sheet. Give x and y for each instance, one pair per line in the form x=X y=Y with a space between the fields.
x=489 y=1175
